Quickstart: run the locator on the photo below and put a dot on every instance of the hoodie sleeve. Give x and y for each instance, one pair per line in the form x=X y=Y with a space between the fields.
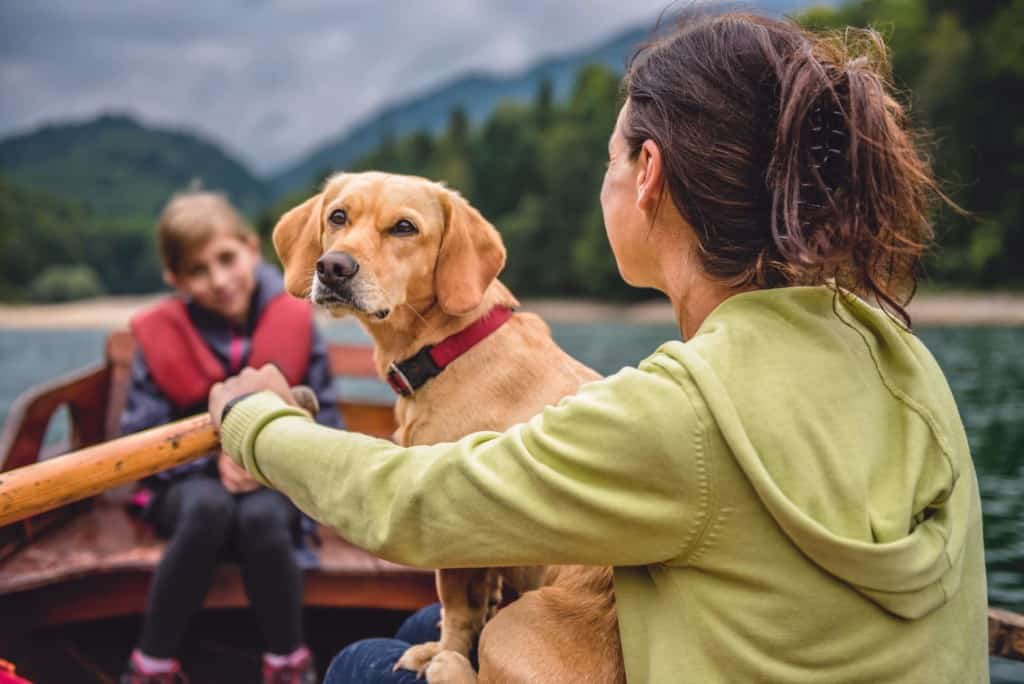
x=320 y=379
x=613 y=475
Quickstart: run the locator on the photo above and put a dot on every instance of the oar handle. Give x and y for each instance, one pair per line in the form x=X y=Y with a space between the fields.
x=56 y=482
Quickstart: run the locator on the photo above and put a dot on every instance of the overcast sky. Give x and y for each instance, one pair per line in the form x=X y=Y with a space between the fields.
x=269 y=79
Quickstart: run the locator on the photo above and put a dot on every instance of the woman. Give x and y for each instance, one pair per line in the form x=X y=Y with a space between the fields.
x=786 y=496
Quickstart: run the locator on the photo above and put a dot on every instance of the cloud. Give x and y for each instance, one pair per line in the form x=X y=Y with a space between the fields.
x=271 y=79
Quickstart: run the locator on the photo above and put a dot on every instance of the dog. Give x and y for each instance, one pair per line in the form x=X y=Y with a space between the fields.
x=416 y=264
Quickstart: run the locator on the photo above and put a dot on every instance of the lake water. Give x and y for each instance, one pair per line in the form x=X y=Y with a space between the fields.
x=984 y=367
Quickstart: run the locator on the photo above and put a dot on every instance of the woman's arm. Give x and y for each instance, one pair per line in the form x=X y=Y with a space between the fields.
x=614 y=475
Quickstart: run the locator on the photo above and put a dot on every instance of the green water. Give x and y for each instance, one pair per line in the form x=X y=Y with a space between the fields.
x=984 y=366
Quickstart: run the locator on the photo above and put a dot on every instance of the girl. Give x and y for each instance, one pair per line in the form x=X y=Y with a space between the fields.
x=230 y=311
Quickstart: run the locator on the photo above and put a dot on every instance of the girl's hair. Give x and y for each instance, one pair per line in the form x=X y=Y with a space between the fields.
x=787 y=154
x=190 y=219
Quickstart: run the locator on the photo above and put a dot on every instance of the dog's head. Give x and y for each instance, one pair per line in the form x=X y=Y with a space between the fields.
x=371 y=242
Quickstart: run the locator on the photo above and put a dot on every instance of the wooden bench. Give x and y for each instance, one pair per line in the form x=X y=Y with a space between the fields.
x=94 y=560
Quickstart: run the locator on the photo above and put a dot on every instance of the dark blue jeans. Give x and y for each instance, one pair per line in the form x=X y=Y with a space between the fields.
x=370 y=661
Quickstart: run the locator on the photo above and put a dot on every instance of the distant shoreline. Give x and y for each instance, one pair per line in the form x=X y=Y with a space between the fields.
x=931 y=309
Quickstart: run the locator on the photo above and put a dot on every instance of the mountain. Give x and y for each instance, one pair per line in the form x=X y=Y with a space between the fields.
x=477 y=93
x=117 y=167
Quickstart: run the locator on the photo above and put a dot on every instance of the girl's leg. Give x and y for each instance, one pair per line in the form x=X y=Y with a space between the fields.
x=197 y=512
x=273 y=580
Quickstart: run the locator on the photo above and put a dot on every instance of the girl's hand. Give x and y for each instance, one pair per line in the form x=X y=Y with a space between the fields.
x=234 y=477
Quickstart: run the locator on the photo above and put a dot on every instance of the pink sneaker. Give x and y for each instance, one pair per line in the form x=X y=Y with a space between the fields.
x=137 y=674
x=298 y=669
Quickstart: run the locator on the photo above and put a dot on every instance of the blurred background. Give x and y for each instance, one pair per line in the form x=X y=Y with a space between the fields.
x=107 y=108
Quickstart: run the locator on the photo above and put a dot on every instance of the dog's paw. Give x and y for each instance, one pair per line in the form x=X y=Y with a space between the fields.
x=449 y=667
x=416 y=658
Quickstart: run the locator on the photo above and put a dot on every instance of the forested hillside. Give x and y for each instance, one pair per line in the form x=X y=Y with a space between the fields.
x=87 y=195
x=81 y=199
x=118 y=167
x=535 y=170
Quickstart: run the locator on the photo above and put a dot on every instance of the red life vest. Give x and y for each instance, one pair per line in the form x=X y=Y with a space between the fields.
x=185 y=368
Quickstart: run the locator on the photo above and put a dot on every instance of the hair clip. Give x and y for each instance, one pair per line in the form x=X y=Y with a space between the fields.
x=826 y=134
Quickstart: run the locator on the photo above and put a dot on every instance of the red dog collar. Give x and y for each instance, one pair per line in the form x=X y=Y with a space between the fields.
x=405 y=377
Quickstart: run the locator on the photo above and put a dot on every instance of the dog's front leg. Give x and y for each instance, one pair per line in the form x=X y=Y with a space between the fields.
x=464 y=595
x=449 y=667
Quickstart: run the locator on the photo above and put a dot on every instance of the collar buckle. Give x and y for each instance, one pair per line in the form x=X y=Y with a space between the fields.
x=398 y=381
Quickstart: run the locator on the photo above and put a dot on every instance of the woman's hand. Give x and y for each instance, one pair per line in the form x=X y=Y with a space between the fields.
x=234 y=477
x=249 y=381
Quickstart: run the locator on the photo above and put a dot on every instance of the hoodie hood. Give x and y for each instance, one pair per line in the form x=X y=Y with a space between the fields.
x=877 y=492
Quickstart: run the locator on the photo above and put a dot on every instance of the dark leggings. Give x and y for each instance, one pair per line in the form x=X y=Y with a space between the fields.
x=207 y=524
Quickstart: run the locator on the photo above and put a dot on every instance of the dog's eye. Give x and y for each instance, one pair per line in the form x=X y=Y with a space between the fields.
x=404 y=227
x=338 y=217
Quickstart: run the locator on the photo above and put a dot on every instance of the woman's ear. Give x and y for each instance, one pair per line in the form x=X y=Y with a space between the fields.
x=470 y=257
x=297 y=243
x=650 y=177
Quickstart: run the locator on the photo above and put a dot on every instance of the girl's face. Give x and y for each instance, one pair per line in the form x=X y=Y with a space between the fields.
x=625 y=223
x=220 y=276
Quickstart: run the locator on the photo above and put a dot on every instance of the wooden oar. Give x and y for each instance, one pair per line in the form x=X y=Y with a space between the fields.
x=77 y=475
x=53 y=483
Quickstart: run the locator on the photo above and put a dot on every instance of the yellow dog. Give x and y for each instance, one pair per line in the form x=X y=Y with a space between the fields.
x=417 y=265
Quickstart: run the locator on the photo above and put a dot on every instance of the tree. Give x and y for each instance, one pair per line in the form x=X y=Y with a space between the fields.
x=544 y=104
x=458 y=129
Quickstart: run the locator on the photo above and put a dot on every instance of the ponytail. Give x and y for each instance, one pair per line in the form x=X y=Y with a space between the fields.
x=850 y=191
x=787 y=154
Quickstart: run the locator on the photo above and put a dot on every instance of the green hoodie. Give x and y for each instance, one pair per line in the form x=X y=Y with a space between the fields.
x=786 y=497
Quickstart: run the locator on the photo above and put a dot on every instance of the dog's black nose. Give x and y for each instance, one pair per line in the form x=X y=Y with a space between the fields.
x=336 y=268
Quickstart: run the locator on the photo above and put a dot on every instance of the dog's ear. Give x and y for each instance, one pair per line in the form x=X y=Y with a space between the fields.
x=297 y=243
x=471 y=256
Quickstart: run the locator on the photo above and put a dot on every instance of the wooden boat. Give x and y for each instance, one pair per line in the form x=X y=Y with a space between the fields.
x=90 y=562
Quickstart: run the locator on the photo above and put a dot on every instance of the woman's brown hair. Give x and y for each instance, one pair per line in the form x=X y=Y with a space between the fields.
x=787 y=154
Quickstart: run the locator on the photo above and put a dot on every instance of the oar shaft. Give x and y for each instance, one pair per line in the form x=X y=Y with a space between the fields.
x=49 y=484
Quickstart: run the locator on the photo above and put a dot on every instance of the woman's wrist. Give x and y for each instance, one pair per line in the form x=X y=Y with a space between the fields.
x=231 y=404
x=247 y=419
